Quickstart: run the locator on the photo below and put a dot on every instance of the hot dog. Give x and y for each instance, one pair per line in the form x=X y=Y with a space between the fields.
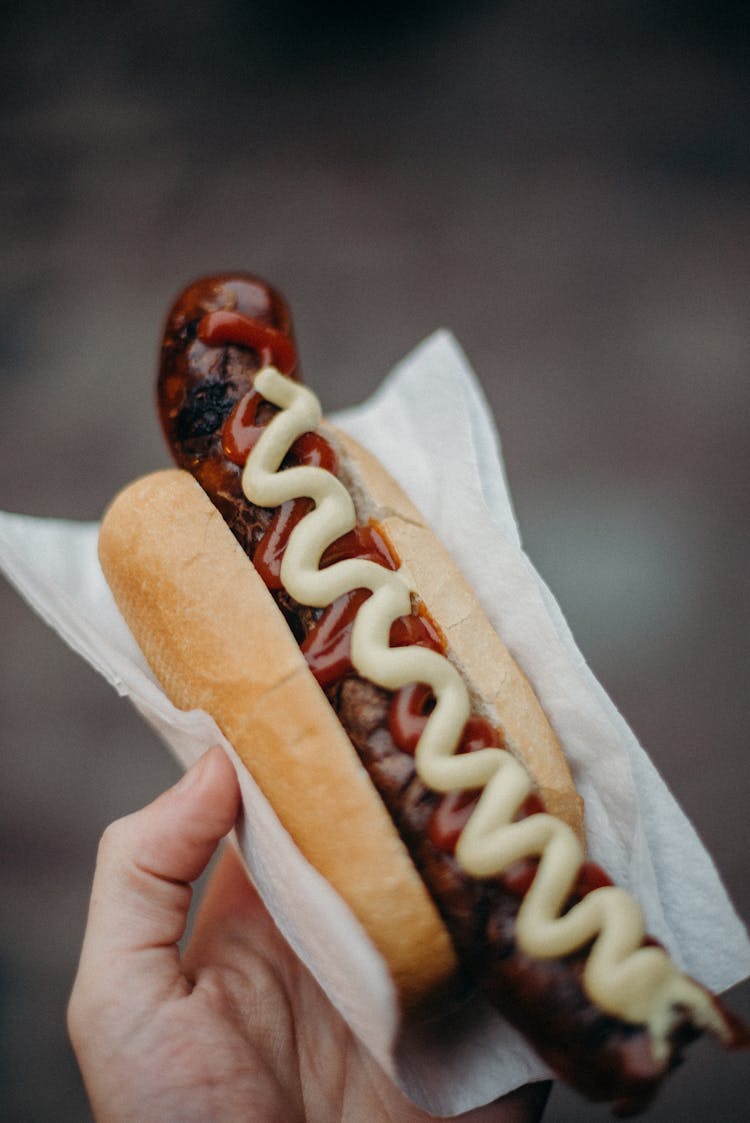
x=387 y=724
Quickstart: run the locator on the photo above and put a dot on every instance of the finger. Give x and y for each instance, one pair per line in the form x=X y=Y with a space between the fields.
x=232 y=920
x=141 y=891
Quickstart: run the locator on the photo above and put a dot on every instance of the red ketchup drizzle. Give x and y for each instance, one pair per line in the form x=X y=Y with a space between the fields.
x=362 y=542
x=454 y=810
x=314 y=451
x=270 y=549
x=246 y=422
x=419 y=630
x=217 y=329
x=327 y=646
x=409 y=709
x=243 y=427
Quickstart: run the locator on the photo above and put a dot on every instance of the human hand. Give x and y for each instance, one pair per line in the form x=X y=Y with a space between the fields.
x=234 y=1029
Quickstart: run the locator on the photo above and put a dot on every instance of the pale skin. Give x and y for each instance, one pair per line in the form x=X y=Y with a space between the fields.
x=234 y=1028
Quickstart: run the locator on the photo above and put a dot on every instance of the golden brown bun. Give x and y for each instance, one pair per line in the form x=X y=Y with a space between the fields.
x=216 y=641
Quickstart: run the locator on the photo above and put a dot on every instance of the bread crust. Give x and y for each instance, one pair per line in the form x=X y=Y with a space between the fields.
x=216 y=641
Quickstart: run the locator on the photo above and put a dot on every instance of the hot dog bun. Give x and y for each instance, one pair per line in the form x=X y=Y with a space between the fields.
x=216 y=640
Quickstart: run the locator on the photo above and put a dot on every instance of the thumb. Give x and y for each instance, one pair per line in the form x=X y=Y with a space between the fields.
x=141 y=891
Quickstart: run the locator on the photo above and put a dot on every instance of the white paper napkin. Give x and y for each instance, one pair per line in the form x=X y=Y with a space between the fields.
x=450 y=464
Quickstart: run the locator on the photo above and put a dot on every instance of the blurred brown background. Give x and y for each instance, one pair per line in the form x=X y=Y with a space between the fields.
x=566 y=186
